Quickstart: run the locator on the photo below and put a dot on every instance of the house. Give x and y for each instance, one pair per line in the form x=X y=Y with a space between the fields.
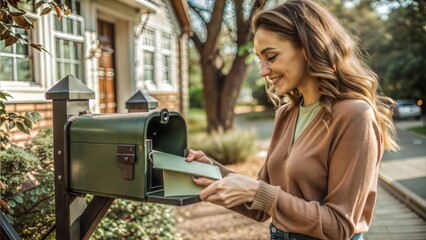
x=116 y=47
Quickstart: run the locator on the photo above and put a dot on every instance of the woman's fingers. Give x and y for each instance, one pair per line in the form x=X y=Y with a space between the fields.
x=197 y=156
x=194 y=155
x=202 y=181
x=230 y=191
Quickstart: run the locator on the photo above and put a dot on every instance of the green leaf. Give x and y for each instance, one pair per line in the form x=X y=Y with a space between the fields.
x=29 y=116
x=21 y=126
x=28 y=123
x=18 y=199
x=11 y=124
x=11 y=211
x=4 y=95
x=11 y=203
x=241 y=50
x=12 y=115
x=245 y=47
x=37 y=116
x=34 y=198
x=249 y=59
x=9 y=218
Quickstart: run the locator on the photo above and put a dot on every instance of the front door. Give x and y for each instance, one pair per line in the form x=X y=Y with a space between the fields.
x=106 y=72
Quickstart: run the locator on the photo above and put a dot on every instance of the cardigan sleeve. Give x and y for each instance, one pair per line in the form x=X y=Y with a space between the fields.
x=353 y=168
x=223 y=170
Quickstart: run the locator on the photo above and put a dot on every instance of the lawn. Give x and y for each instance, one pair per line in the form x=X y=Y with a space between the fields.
x=418 y=130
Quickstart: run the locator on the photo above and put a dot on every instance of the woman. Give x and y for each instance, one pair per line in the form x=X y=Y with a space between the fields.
x=320 y=176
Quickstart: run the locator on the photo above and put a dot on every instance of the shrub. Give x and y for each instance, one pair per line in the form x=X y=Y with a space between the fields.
x=32 y=204
x=259 y=93
x=42 y=146
x=232 y=147
x=42 y=219
x=136 y=220
x=196 y=120
x=15 y=163
x=11 y=120
x=196 y=96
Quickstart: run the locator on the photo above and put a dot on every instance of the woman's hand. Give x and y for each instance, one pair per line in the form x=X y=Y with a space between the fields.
x=198 y=156
x=230 y=191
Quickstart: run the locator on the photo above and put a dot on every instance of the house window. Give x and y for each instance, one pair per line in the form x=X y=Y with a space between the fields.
x=166 y=41
x=166 y=69
x=148 y=38
x=68 y=58
x=157 y=60
x=69 y=41
x=74 y=5
x=148 y=42
x=15 y=61
x=166 y=52
x=148 y=70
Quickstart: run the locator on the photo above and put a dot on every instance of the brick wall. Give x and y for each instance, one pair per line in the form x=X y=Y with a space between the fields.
x=43 y=107
x=171 y=101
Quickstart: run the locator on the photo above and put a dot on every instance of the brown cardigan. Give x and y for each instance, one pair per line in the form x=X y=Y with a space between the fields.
x=325 y=184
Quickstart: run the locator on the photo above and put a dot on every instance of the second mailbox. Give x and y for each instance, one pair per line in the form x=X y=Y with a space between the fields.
x=108 y=154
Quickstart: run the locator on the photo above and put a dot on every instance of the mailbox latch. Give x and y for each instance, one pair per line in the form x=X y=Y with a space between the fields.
x=126 y=157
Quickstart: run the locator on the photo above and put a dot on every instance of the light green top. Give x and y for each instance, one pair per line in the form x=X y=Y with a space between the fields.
x=305 y=116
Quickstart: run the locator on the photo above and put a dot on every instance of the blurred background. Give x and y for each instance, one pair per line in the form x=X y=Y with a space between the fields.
x=391 y=33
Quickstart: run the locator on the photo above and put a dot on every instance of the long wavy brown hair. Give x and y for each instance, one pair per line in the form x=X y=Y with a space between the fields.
x=333 y=57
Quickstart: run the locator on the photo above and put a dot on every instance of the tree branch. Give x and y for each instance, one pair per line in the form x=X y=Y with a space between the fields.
x=214 y=26
x=197 y=42
x=241 y=21
x=243 y=29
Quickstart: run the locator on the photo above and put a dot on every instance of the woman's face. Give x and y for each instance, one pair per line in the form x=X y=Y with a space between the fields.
x=281 y=62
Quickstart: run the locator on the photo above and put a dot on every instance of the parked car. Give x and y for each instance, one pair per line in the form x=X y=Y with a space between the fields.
x=407 y=108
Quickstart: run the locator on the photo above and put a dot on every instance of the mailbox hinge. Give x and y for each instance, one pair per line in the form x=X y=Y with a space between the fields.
x=126 y=157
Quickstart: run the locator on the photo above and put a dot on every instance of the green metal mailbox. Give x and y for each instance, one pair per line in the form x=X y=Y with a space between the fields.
x=109 y=154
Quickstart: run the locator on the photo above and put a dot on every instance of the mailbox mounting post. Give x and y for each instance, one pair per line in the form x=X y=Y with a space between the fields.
x=74 y=220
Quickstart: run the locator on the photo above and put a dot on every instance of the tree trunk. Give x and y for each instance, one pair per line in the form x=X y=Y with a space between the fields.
x=211 y=93
x=220 y=91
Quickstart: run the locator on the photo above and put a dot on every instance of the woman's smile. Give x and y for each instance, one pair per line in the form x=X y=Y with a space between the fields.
x=275 y=80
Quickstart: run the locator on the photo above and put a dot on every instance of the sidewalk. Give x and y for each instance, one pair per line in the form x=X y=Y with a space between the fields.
x=406 y=177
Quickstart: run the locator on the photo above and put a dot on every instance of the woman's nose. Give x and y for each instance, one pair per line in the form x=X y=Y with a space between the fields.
x=264 y=69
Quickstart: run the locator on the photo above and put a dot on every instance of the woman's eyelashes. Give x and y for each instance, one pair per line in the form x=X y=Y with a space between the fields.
x=271 y=58
x=268 y=59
